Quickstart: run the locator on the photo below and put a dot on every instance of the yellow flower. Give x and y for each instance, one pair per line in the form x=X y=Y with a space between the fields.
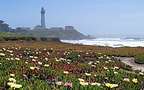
x=17 y=86
x=12 y=80
x=109 y=85
x=14 y=85
x=134 y=80
x=84 y=83
x=10 y=83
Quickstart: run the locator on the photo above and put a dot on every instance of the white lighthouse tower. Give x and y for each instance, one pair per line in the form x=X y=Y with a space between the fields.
x=43 y=25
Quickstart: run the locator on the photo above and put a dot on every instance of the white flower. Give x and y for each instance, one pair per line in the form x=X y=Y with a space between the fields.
x=12 y=75
x=81 y=80
x=105 y=68
x=141 y=73
x=7 y=58
x=66 y=72
x=4 y=49
x=88 y=74
x=106 y=62
x=33 y=68
x=90 y=62
x=17 y=59
x=40 y=63
x=59 y=83
x=12 y=58
x=31 y=56
x=35 y=57
x=33 y=60
x=10 y=51
x=93 y=65
x=95 y=83
x=57 y=60
x=48 y=53
x=105 y=55
x=97 y=61
x=44 y=49
x=26 y=62
x=108 y=57
x=46 y=59
x=116 y=67
x=12 y=54
x=126 y=79
x=46 y=65
x=99 y=53
x=115 y=72
x=2 y=54
x=109 y=60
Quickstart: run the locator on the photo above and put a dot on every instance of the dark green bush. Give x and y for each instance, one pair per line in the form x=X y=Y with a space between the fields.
x=74 y=56
x=43 y=39
x=19 y=38
x=139 y=59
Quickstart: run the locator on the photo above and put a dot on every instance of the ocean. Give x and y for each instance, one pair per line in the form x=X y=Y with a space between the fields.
x=111 y=42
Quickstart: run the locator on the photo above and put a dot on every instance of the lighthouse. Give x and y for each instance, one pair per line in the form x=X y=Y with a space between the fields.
x=43 y=25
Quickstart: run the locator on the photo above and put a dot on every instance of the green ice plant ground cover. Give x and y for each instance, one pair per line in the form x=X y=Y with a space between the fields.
x=49 y=69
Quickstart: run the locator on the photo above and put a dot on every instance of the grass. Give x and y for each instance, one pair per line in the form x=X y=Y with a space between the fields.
x=139 y=59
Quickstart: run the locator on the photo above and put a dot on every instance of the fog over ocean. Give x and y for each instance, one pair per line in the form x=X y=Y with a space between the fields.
x=111 y=42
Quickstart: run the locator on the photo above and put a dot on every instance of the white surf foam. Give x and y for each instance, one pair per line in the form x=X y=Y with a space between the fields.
x=111 y=42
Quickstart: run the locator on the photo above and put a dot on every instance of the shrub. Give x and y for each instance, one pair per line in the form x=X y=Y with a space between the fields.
x=74 y=56
x=139 y=59
x=43 y=39
x=19 y=38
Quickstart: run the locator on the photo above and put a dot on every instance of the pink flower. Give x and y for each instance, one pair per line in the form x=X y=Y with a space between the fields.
x=68 y=84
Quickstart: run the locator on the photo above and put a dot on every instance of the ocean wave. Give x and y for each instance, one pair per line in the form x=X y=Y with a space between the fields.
x=111 y=42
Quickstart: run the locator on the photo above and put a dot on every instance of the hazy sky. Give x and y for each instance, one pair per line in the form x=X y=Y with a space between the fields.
x=88 y=16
